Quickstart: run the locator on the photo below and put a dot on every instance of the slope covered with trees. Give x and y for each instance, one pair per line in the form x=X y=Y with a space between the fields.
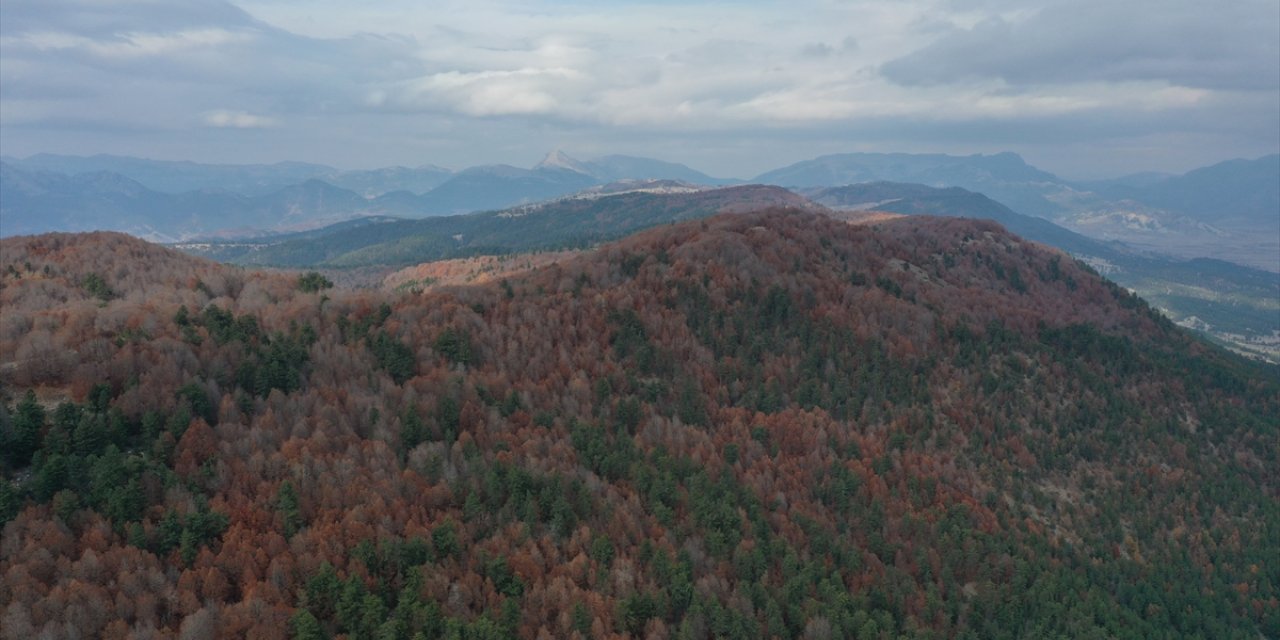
x=557 y=224
x=757 y=425
x=1236 y=305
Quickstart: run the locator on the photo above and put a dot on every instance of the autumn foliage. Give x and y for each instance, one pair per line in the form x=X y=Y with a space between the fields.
x=757 y=425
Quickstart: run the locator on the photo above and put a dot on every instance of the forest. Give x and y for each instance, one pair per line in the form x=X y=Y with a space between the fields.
x=757 y=425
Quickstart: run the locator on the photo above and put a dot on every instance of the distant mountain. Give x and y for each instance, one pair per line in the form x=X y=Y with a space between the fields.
x=561 y=161
x=499 y=186
x=557 y=175
x=310 y=201
x=863 y=167
x=1003 y=176
x=1232 y=190
x=376 y=182
x=1236 y=190
x=245 y=179
x=180 y=176
x=178 y=200
x=256 y=179
x=40 y=201
x=617 y=167
x=1228 y=211
x=1130 y=181
x=1227 y=193
x=918 y=199
x=568 y=222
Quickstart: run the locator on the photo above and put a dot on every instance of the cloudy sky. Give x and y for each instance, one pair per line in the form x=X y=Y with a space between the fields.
x=1084 y=88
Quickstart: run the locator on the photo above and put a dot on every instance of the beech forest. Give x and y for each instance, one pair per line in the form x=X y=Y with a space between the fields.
x=759 y=425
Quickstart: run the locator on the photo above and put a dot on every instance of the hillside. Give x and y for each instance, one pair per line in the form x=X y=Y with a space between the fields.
x=474 y=270
x=756 y=425
x=557 y=224
x=176 y=177
x=918 y=199
x=1237 y=305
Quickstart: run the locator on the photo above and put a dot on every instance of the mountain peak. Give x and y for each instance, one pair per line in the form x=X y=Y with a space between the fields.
x=562 y=161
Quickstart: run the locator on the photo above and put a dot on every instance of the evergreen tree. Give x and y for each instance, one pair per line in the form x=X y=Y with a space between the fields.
x=287 y=505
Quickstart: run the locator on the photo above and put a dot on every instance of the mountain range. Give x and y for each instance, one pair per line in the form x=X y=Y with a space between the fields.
x=1231 y=191
x=1005 y=177
x=1224 y=194
x=1229 y=211
x=567 y=222
x=176 y=177
x=180 y=200
x=35 y=201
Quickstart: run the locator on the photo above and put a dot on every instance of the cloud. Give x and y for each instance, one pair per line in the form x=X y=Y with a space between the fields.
x=152 y=64
x=125 y=45
x=471 y=81
x=1224 y=46
x=99 y=18
x=489 y=93
x=228 y=119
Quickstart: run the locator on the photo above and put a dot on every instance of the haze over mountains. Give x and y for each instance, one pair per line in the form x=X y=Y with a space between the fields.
x=578 y=221
x=1229 y=211
x=1235 y=190
x=1231 y=192
x=175 y=200
x=1004 y=176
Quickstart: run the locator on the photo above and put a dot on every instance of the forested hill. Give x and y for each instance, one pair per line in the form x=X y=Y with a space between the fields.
x=575 y=221
x=750 y=426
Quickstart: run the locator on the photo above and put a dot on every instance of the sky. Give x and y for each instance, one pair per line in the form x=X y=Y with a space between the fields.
x=1082 y=88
